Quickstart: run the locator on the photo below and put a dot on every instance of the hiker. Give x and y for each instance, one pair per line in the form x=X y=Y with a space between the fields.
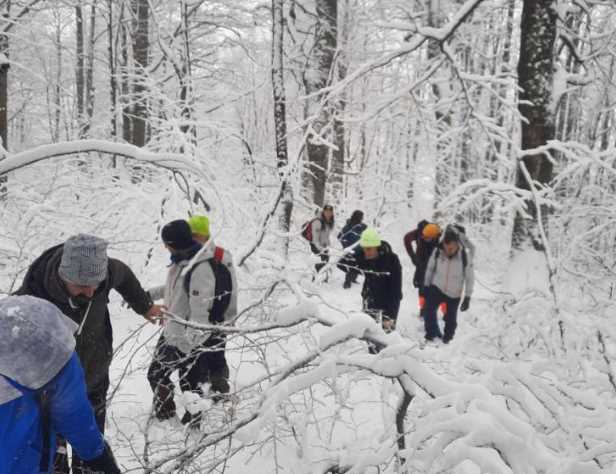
x=77 y=277
x=425 y=237
x=200 y=289
x=318 y=232
x=449 y=275
x=349 y=236
x=382 y=290
x=43 y=391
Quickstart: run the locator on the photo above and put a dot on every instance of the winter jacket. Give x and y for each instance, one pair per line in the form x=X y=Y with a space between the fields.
x=449 y=274
x=425 y=248
x=197 y=304
x=37 y=361
x=351 y=233
x=95 y=342
x=382 y=290
x=321 y=233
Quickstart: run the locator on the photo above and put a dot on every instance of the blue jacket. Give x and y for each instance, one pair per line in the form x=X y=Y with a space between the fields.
x=71 y=416
x=350 y=234
x=38 y=360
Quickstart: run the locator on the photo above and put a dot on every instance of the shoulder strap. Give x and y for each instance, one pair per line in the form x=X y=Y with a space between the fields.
x=219 y=254
x=223 y=284
x=42 y=398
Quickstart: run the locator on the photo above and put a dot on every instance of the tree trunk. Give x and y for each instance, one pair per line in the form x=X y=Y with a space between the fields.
x=4 y=93
x=186 y=88
x=113 y=80
x=127 y=115
x=141 y=13
x=89 y=74
x=79 y=69
x=535 y=78
x=444 y=167
x=316 y=77
x=339 y=154
x=280 y=118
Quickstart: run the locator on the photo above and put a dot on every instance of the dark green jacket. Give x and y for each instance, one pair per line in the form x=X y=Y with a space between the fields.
x=95 y=343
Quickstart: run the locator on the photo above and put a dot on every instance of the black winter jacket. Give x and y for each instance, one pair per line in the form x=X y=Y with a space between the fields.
x=382 y=290
x=95 y=344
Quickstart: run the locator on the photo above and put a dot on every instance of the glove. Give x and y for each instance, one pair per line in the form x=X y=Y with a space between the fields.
x=416 y=283
x=465 y=304
x=105 y=463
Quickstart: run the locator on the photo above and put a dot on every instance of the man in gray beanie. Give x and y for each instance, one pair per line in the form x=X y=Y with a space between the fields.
x=77 y=277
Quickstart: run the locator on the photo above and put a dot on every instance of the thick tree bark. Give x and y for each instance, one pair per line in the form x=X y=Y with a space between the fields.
x=141 y=12
x=535 y=80
x=280 y=118
x=318 y=76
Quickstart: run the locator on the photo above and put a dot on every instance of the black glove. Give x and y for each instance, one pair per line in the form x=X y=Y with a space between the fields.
x=416 y=283
x=465 y=304
x=105 y=463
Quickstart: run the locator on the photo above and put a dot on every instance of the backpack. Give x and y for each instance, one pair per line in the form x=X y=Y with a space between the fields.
x=223 y=286
x=307 y=230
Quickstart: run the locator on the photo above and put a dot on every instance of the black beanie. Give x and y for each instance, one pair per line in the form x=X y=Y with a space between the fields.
x=177 y=235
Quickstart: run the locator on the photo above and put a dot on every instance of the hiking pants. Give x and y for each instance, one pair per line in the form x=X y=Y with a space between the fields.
x=434 y=298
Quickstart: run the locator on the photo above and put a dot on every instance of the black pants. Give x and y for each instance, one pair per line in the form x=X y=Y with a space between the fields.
x=323 y=255
x=98 y=400
x=434 y=298
x=206 y=363
x=348 y=266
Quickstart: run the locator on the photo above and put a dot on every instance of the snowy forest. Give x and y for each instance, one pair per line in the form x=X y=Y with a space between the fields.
x=118 y=116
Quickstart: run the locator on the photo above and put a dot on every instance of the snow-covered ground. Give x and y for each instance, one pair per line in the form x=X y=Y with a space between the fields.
x=342 y=414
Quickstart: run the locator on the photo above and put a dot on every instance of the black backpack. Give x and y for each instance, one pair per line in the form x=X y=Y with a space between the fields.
x=223 y=287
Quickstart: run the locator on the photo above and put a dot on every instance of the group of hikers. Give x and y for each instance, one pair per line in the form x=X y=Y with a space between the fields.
x=443 y=259
x=57 y=345
x=57 y=340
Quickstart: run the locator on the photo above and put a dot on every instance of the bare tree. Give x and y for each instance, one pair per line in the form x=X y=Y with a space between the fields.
x=280 y=117
x=141 y=13
x=535 y=79
x=318 y=75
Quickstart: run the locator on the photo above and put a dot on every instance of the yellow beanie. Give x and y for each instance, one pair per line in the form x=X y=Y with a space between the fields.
x=370 y=238
x=200 y=225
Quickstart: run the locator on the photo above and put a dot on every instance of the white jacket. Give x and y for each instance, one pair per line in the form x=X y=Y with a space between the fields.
x=448 y=273
x=196 y=304
x=321 y=233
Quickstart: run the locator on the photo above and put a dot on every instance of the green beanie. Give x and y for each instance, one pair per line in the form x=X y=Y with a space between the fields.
x=370 y=238
x=200 y=225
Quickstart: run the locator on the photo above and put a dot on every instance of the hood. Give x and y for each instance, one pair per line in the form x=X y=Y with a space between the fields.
x=37 y=341
x=385 y=248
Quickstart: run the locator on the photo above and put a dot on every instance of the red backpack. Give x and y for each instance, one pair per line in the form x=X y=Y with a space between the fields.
x=307 y=230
